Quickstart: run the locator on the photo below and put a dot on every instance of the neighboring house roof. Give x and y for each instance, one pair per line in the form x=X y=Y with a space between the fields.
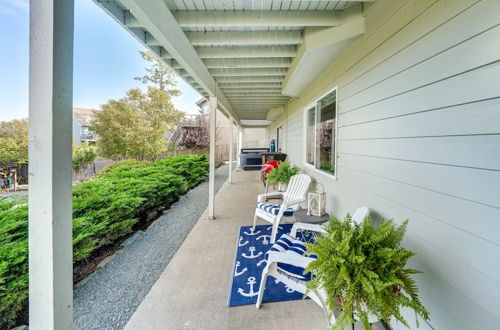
x=83 y=116
x=201 y=102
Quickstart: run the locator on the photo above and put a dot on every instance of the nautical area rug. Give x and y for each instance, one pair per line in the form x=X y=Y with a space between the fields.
x=248 y=266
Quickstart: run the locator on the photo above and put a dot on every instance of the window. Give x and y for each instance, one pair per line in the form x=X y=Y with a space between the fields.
x=311 y=123
x=320 y=133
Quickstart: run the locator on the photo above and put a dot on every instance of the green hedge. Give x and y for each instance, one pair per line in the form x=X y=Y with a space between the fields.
x=105 y=208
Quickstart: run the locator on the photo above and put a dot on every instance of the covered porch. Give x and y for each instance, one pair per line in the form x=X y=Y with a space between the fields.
x=192 y=292
x=410 y=103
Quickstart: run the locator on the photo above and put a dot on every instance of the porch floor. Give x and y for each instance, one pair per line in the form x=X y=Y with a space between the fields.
x=192 y=291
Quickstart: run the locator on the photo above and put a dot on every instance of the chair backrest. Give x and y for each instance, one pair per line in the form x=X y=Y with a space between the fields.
x=297 y=189
x=360 y=214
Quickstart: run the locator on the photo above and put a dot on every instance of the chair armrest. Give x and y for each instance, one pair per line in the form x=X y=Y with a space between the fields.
x=288 y=204
x=307 y=226
x=262 y=197
x=299 y=261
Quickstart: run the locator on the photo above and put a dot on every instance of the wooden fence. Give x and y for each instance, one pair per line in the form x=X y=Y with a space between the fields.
x=221 y=155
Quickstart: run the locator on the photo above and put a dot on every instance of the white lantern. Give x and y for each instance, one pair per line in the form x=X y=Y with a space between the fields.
x=316 y=201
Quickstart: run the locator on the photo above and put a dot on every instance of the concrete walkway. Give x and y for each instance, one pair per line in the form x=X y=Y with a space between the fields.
x=192 y=291
x=108 y=298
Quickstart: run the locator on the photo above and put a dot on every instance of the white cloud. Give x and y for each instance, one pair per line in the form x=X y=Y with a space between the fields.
x=14 y=7
x=19 y=4
x=7 y=10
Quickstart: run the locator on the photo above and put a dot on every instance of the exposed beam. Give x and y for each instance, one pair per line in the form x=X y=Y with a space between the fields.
x=251 y=18
x=256 y=97
x=161 y=24
x=248 y=72
x=251 y=94
x=268 y=62
x=255 y=89
x=320 y=47
x=245 y=79
x=236 y=84
x=246 y=51
x=230 y=95
x=244 y=38
x=259 y=103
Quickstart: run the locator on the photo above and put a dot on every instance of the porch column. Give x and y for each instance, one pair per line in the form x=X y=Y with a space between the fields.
x=50 y=126
x=212 y=108
x=231 y=127
x=240 y=143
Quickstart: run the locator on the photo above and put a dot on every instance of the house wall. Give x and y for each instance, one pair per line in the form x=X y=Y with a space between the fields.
x=254 y=137
x=419 y=139
x=77 y=131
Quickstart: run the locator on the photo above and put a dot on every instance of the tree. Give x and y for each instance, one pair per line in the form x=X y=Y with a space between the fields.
x=83 y=155
x=13 y=142
x=136 y=125
x=160 y=75
x=197 y=135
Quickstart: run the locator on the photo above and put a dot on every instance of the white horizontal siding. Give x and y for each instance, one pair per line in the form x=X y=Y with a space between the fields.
x=419 y=138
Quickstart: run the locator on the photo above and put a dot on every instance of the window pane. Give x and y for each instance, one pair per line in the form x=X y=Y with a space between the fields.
x=311 y=120
x=325 y=130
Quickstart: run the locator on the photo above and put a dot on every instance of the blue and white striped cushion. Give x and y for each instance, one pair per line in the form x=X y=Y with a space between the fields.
x=289 y=245
x=274 y=209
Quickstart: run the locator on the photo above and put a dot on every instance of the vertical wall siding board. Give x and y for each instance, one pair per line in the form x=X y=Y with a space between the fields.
x=450 y=34
x=469 y=217
x=339 y=70
x=459 y=59
x=467 y=119
x=415 y=42
x=454 y=318
x=356 y=189
x=452 y=91
x=481 y=291
x=483 y=151
x=479 y=186
x=460 y=243
x=421 y=150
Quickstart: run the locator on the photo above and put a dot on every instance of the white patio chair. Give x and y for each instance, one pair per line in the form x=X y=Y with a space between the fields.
x=295 y=193
x=286 y=264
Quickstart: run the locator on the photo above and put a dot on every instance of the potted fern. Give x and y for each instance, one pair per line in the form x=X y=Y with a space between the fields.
x=363 y=271
x=282 y=174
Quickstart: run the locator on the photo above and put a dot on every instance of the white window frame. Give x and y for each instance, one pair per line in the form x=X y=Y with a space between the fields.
x=305 y=118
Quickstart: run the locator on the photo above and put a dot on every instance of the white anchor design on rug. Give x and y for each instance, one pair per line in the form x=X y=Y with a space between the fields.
x=251 y=247
x=251 y=293
x=251 y=233
x=242 y=244
x=265 y=239
x=236 y=273
x=271 y=228
x=251 y=256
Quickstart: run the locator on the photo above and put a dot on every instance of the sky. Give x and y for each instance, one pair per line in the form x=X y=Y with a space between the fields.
x=106 y=60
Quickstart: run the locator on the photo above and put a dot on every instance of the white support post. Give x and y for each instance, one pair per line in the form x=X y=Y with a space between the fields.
x=50 y=114
x=231 y=127
x=212 y=108
x=240 y=144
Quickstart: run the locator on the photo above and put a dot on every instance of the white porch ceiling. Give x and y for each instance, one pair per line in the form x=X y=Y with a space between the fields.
x=241 y=51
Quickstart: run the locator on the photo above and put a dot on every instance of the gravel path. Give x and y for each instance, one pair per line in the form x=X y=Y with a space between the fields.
x=109 y=297
x=14 y=193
